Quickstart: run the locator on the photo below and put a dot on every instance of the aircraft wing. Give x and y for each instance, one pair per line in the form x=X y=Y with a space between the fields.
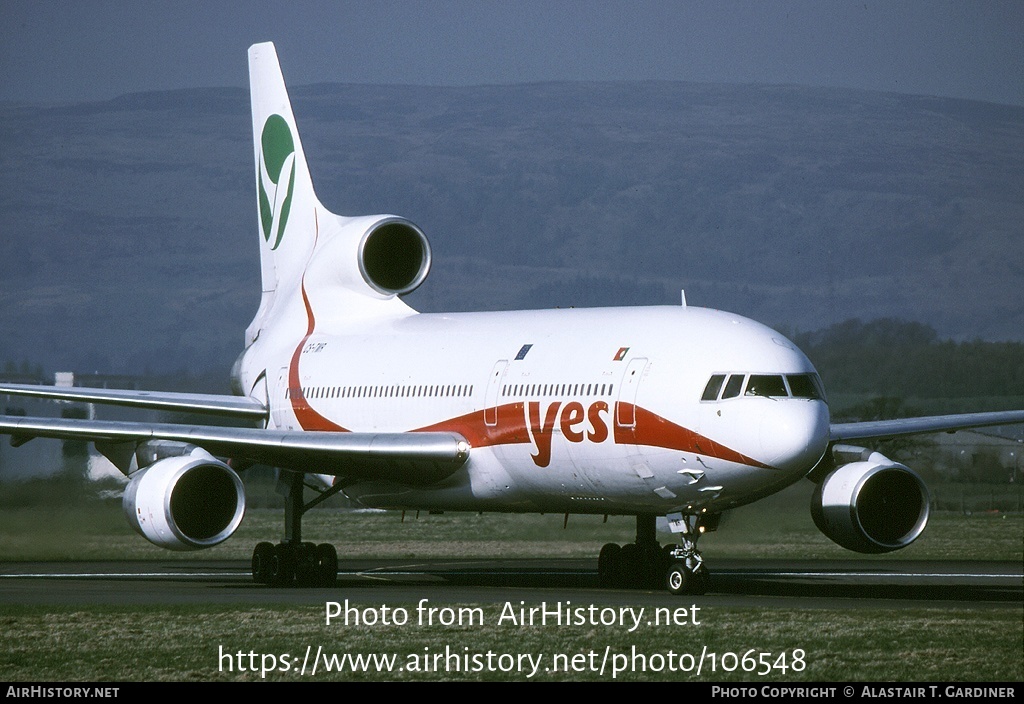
x=410 y=458
x=869 y=430
x=224 y=405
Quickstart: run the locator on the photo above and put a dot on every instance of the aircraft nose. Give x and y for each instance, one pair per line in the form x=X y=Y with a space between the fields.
x=794 y=434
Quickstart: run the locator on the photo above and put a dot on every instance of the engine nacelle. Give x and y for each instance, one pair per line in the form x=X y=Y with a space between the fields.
x=189 y=502
x=394 y=256
x=872 y=506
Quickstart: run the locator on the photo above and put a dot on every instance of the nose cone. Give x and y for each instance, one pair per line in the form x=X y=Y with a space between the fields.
x=794 y=434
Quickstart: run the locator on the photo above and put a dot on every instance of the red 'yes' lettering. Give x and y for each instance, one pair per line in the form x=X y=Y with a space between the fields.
x=542 y=433
x=572 y=421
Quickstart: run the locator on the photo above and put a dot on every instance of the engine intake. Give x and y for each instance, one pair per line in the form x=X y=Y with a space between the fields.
x=871 y=506
x=190 y=502
x=394 y=256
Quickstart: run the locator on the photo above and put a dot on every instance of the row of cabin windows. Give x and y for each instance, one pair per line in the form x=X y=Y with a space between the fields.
x=397 y=391
x=557 y=389
x=769 y=385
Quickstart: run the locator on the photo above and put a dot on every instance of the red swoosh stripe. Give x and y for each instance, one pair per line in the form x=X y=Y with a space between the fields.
x=509 y=430
x=308 y=418
x=651 y=429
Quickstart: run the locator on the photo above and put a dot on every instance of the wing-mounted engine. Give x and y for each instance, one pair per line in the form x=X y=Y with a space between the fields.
x=871 y=504
x=187 y=501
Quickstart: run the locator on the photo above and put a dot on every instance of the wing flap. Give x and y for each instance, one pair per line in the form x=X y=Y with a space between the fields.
x=408 y=458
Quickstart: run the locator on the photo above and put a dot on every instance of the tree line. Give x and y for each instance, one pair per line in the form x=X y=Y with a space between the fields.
x=900 y=359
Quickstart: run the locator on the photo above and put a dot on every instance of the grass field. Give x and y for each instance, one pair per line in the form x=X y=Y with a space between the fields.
x=945 y=643
x=778 y=527
x=185 y=643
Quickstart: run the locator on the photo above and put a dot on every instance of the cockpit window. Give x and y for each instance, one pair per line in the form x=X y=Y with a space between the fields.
x=766 y=385
x=713 y=387
x=733 y=386
x=806 y=386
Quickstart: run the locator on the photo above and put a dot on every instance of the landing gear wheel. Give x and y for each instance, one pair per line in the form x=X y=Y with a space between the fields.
x=282 y=566
x=631 y=563
x=293 y=562
x=652 y=567
x=632 y=566
x=609 y=565
x=307 y=570
x=262 y=555
x=327 y=564
x=678 y=578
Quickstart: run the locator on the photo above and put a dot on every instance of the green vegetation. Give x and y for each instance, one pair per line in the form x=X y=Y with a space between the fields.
x=778 y=527
x=182 y=643
x=175 y=642
x=891 y=368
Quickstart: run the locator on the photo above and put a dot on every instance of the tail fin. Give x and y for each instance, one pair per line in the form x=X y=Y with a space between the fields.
x=286 y=201
x=317 y=264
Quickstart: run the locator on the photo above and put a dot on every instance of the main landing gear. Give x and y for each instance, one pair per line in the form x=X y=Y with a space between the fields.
x=293 y=562
x=645 y=564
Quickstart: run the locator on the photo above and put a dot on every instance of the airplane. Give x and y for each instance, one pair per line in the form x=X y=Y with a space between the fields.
x=678 y=412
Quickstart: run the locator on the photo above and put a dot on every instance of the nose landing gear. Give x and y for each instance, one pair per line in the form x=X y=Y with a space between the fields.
x=645 y=564
x=686 y=572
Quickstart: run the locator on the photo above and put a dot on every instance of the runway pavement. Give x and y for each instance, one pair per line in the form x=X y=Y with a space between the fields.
x=847 y=584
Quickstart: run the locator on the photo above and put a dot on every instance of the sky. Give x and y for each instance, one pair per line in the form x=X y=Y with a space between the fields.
x=96 y=50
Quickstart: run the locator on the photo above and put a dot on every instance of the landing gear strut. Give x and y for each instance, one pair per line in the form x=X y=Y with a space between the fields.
x=293 y=562
x=645 y=564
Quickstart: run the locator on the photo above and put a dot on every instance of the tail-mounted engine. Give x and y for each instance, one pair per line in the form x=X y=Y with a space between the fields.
x=872 y=505
x=186 y=502
x=394 y=256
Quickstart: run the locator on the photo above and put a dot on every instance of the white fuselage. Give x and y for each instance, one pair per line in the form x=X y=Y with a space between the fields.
x=577 y=410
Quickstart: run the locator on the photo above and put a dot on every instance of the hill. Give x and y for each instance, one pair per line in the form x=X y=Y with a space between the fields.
x=129 y=225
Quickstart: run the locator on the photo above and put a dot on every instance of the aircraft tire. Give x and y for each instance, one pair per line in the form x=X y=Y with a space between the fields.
x=282 y=566
x=631 y=563
x=700 y=580
x=307 y=566
x=609 y=565
x=677 y=579
x=262 y=555
x=652 y=566
x=327 y=564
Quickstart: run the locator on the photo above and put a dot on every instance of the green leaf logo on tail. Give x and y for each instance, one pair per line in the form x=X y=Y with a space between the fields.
x=277 y=158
